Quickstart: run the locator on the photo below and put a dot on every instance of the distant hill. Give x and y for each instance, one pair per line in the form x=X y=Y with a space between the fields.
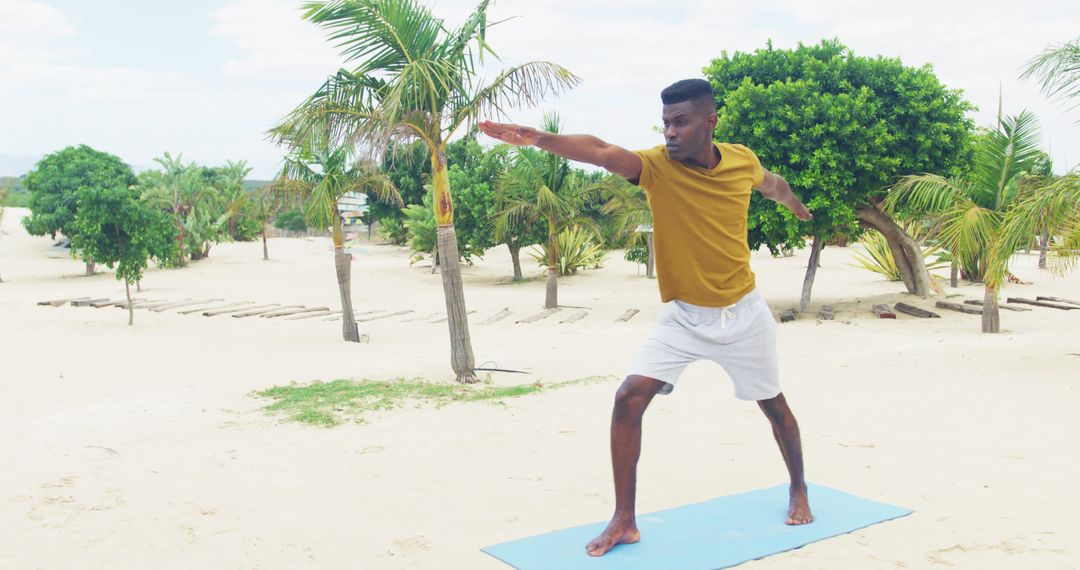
x=250 y=185
x=14 y=165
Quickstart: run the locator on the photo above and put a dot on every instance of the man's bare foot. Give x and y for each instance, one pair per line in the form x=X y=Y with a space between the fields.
x=621 y=530
x=799 y=507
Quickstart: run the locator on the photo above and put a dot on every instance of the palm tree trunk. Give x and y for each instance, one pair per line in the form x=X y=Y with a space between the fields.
x=131 y=310
x=954 y=270
x=991 y=322
x=435 y=258
x=551 y=294
x=266 y=254
x=906 y=253
x=811 y=273
x=349 y=331
x=461 y=354
x=1044 y=245
x=650 y=265
x=515 y=258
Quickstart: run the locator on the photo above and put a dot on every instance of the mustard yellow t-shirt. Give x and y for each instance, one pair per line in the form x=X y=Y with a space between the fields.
x=699 y=224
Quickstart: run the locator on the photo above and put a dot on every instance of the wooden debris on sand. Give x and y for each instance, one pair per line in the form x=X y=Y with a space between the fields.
x=1046 y=304
x=1058 y=300
x=60 y=302
x=103 y=304
x=575 y=317
x=444 y=319
x=386 y=316
x=216 y=312
x=180 y=304
x=254 y=312
x=827 y=313
x=87 y=302
x=197 y=309
x=916 y=312
x=310 y=315
x=883 y=311
x=787 y=315
x=497 y=316
x=958 y=307
x=283 y=313
x=629 y=314
x=539 y=316
x=1000 y=306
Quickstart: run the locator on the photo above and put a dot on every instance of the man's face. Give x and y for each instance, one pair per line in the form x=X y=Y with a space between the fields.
x=688 y=127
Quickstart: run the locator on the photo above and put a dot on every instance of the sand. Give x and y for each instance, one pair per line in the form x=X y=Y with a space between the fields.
x=142 y=447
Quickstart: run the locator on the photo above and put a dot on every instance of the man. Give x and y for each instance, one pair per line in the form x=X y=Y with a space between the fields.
x=699 y=194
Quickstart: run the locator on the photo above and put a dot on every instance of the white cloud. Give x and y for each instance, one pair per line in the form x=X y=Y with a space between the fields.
x=275 y=41
x=28 y=30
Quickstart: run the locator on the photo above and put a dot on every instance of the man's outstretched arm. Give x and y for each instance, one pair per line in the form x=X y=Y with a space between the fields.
x=775 y=188
x=582 y=148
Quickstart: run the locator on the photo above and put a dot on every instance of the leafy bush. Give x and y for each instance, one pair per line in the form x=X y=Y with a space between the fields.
x=420 y=222
x=637 y=254
x=576 y=249
x=393 y=231
x=879 y=259
x=291 y=221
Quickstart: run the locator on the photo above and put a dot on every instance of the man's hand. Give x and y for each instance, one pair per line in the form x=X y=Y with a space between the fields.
x=800 y=210
x=516 y=135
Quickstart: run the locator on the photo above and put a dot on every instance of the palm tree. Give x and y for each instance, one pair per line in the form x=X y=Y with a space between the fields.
x=630 y=207
x=320 y=172
x=1058 y=70
x=1053 y=210
x=540 y=186
x=415 y=79
x=970 y=211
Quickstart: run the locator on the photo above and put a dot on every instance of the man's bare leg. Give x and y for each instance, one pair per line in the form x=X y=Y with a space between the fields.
x=786 y=431
x=631 y=401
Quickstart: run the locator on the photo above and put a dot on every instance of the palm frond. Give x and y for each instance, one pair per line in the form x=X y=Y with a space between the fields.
x=926 y=194
x=524 y=85
x=1005 y=153
x=1058 y=70
x=1055 y=208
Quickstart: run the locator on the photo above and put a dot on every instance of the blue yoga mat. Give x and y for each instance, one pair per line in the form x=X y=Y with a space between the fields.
x=714 y=534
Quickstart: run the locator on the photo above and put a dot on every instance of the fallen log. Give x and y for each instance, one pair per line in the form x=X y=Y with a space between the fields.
x=103 y=304
x=444 y=319
x=386 y=316
x=87 y=302
x=916 y=312
x=283 y=313
x=883 y=312
x=184 y=304
x=1039 y=303
x=1058 y=300
x=217 y=312
x=497 y=316
x=1000 y=306
x=254 y=312
x=60 y=302
x=539 y=316
x=629 y=314
x=575 y=317
x=958 y=308
x=196 y=310
x=788 y=315
x=311 y=315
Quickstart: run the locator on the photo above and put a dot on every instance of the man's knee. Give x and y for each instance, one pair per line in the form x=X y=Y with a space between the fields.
x=635 y=394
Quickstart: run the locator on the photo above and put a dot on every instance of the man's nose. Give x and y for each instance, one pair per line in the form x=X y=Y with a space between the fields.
x=669 y=132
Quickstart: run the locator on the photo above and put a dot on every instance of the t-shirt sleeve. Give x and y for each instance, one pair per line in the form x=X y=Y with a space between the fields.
x=651 y=160
x=757 y=171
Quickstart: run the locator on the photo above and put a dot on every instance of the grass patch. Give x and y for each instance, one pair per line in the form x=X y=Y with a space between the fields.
x=327 y=404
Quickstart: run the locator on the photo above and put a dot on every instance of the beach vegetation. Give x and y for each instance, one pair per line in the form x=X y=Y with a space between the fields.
x=415 y=79
x=576 y=248
x=840 y=128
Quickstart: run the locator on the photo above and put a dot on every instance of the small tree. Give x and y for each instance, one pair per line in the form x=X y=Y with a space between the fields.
x=629 y=206
x=114 y=227
x=54 y=184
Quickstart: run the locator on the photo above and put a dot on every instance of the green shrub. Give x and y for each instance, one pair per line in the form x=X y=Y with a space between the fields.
x=576 y=249
x=291 y=221
x=393 y=231
x=637 y=254
x=879 y=259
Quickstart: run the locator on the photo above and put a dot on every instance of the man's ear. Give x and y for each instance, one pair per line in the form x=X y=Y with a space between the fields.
x=711 y=121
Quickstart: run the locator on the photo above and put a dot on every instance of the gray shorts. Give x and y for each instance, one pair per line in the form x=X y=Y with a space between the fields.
x=740 y=338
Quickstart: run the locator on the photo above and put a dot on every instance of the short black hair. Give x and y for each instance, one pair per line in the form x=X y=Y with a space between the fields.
x=687 y=90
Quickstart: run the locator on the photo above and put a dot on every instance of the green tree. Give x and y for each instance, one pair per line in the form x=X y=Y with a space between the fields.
x=839 y=128
x=416 y=80
x=970 y=210
x=628 y=206
x=54 y=184
x=541 y=187
x=320 y=171
x=114 y=227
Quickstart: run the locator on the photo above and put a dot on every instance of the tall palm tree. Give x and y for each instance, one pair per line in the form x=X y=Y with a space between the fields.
x=970 y=211
x=416 y=79
x=320 y=171
x=540 y=186
x=630 y=207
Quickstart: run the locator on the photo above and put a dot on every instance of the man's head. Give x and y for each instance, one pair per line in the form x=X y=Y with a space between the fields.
x=689 y=117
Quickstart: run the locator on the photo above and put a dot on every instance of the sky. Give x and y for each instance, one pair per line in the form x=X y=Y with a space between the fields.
x=207 y=78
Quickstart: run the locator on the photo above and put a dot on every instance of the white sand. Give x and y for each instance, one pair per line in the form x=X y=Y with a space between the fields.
x=141 y=447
